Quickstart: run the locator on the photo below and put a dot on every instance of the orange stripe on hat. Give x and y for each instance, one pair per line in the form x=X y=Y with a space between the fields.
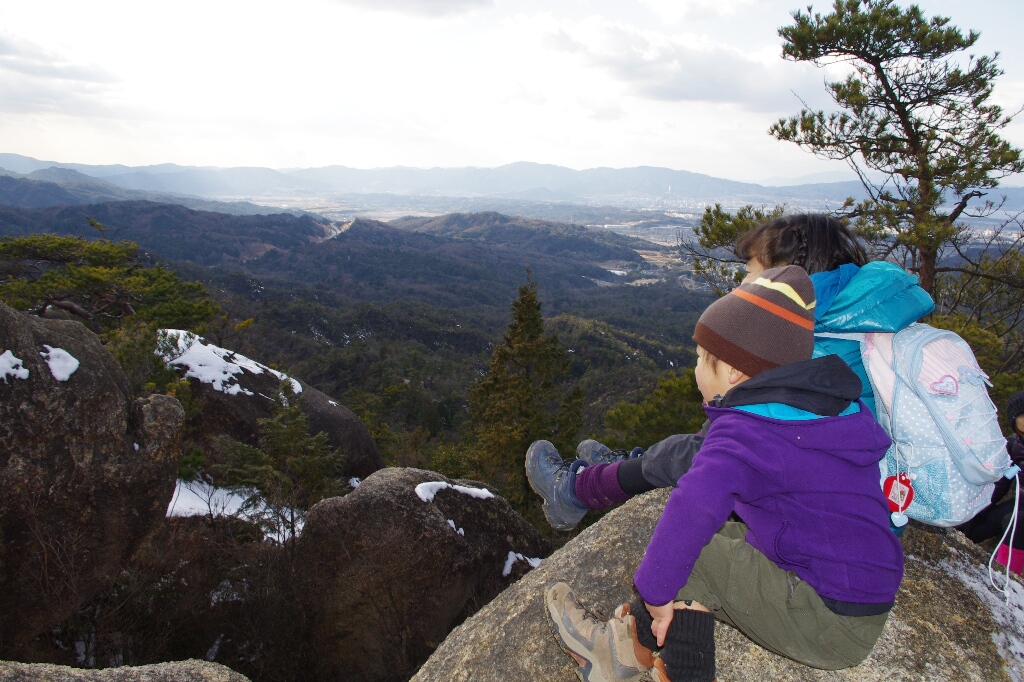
x=774 y=309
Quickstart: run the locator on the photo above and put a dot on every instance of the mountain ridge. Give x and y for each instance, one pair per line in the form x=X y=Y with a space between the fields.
x=643 y=187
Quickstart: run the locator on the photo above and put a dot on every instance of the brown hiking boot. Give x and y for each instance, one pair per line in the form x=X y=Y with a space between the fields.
x=605 y=652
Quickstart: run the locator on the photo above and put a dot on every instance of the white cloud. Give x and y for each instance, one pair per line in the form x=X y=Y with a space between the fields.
x=35 y=80
x=24 y=57
x=689 y=68
x=673 y=11
x=430 y=8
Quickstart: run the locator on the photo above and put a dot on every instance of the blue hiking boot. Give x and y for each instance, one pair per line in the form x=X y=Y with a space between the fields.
x=555 y=481
x=592 y=452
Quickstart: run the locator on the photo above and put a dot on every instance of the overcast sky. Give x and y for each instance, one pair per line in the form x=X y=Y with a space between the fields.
x=686 y=84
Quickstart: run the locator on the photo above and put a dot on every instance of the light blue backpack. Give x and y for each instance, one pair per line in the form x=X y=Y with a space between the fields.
x=930 y=397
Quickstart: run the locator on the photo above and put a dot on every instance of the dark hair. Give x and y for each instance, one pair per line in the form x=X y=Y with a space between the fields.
x=1015 y=408
x=815 y=241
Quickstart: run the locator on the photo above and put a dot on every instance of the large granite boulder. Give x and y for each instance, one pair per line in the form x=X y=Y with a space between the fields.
x=85 y=472
x=235 y=391
x=197 y=587
x=181 y=671
x=393 y=566
x=948 y=624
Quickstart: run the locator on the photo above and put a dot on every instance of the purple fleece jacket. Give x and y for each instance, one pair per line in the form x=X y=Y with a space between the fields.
x=807 y=489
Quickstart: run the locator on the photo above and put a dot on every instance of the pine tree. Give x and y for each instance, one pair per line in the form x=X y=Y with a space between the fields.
x=525 y=396
x=913 y=111
x=108 y=286
x=674 y=406
x=103 y=283
x=287 y=474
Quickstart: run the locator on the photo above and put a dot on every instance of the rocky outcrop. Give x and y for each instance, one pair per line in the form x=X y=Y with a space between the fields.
x=394 y=565
x=182 y=671
x=948 y=624
x=235 y=391
x=85 y=472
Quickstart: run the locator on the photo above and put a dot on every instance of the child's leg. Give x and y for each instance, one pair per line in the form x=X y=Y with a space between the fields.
x=601 y=485
x=775 y=608
x=665 y=462
x=593 y=482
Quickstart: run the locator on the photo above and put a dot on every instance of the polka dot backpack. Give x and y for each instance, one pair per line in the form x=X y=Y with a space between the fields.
x=947 y=451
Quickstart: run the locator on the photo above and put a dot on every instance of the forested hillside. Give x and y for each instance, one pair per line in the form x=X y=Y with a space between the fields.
x=397 y=319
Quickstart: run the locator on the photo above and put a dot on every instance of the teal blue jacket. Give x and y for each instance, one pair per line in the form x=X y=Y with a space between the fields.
x=878 y=297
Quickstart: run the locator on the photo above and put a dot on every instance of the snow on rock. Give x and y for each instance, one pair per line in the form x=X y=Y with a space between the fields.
x=11 y=366
x=514 y=557
x=354 y=482
x=1006 y=602
x=212 y=364
x=426 y=491
x=196 y=498
x=460 y=531
x=62 y=363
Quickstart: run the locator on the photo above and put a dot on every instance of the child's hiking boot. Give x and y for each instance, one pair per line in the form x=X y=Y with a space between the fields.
x=592 y=452
x=555 y=481
x=604 y=652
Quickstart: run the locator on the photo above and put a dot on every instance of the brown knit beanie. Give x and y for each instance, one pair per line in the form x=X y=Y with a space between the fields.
x=763 y=324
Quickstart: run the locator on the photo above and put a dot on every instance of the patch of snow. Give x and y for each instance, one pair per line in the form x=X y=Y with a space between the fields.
x=11 y=366
x=194 y=498
x=354 y=482
x=514 y=557
x=333 y=403
x=225 y=592
x=212 y=364
x=460 y=531
x=1007 y=613
x=211 y=653
x=427 y=490
x=136 y=446
x=62 y=363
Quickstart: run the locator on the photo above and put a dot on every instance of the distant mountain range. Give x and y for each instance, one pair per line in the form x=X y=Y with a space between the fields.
x=59 y=186
x=635 y=188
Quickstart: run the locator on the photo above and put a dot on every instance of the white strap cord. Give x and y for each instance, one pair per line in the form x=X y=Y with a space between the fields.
x=1011 y=530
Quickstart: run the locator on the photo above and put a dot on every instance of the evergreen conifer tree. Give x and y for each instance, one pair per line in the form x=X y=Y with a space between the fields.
x=525 y=396
x=287 y=474
x=915 y=122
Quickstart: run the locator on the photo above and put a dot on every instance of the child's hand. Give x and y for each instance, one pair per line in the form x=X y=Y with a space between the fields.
x=662 y=616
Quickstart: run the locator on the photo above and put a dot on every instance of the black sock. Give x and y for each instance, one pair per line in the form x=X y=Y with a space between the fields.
x=689 y=651
x=631 y=477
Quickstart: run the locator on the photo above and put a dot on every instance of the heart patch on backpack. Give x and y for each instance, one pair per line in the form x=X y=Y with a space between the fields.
x=946 y=385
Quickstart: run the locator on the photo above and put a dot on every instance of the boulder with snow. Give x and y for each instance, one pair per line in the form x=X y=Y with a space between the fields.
x=394 y=565
x=180 y=671
x=948 y=622
x=85 y=472
x=235 y=391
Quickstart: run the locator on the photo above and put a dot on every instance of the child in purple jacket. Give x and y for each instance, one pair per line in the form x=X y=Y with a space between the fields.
x=812 y=569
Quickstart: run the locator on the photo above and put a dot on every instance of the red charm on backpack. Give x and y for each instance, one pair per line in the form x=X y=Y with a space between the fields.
x=899 y=493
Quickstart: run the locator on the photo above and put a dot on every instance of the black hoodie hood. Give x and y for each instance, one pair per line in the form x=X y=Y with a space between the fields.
x=825 y=386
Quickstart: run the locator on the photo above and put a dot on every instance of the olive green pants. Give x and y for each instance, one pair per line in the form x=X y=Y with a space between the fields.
x=775 y=608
